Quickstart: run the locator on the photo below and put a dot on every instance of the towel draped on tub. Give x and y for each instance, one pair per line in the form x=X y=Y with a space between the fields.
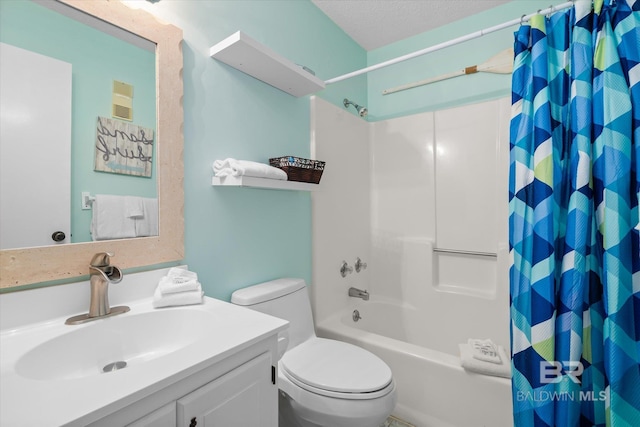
x=485 y=357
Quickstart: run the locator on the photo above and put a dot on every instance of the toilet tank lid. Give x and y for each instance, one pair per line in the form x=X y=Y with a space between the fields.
x=266 y=291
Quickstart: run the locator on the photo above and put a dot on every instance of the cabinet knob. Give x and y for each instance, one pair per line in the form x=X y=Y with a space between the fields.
x=194 y=422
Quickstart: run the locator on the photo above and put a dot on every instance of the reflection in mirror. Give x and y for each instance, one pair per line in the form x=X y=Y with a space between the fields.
x=78 y=101
x=163 y=119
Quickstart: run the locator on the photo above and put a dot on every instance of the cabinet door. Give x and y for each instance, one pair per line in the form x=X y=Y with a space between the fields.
x=163 y=417
x=243 y=397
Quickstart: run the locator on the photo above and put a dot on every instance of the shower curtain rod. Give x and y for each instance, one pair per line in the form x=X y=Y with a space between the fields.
x=471 y=36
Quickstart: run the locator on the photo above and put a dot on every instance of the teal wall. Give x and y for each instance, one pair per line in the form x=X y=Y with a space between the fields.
x=454 y=92
x=97 y=60
x=236 y=237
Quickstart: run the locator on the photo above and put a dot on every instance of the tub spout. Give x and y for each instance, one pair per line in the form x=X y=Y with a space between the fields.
x=358 y=293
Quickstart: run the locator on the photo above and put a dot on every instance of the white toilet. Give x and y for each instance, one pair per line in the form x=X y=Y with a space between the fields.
x=323 y=383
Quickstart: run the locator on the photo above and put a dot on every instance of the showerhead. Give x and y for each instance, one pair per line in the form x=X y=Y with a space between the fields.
x=362 y=111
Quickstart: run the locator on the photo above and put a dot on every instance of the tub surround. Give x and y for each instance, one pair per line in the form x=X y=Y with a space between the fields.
x=238 y=342
x=415 y=196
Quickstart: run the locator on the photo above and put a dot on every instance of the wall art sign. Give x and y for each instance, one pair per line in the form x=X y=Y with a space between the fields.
x=123 y=148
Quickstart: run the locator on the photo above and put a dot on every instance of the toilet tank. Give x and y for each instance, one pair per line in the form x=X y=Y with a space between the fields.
x=285 y=298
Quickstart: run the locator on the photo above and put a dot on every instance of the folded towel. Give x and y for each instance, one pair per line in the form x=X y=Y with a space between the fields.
x=177 y=272
x=470 y=363
x=111 y=219
x=235 y=167
x=179 y=280
x=485 y=350
x=147 y=223
x=170 y=285
x=177 y=298
x=133 y=207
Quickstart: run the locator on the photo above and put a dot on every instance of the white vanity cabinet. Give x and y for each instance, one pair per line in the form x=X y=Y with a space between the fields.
x=240 y=391
x=240 y=398
x=163 y=417
x=236 y=399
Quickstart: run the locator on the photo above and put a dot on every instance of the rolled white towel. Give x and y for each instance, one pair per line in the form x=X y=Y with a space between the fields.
x=177 y=298
x=470 y=363
x=235 y=167
x=485 y=350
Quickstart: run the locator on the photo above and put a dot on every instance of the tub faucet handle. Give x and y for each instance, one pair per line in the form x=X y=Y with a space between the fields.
x=360 y=265
x=345 y=269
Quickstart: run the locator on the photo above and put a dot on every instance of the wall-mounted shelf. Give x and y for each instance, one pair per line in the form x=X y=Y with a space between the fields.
x=270 y=184
x=251 y=57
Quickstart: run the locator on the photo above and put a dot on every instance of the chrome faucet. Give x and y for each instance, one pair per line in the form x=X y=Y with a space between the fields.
x=355 y=292
x=101 y=273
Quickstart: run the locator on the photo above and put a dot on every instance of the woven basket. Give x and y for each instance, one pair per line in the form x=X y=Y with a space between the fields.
x=299 y=169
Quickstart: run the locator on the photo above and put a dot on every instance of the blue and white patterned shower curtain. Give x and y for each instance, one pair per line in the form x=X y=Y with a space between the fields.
x=574 y=219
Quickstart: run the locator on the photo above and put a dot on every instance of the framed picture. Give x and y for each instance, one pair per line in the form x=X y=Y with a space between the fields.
x=123 y=148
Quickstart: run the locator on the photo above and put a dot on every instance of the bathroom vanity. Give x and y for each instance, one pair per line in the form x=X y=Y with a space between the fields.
x=212 y=364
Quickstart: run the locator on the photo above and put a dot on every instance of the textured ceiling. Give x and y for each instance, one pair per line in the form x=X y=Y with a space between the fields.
x=376 y=23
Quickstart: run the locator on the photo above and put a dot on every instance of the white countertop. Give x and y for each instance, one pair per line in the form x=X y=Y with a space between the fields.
x=77 y=401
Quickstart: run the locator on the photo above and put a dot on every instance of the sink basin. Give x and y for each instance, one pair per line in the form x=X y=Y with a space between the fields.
x=86 y=350
x=168 y=352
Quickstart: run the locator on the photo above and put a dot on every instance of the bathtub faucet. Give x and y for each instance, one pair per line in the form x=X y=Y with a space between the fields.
x=355 y=292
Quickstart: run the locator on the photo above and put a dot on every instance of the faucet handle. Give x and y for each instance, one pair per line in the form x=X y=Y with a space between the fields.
x=101 y=259
x=360 y=265
x=345 y=269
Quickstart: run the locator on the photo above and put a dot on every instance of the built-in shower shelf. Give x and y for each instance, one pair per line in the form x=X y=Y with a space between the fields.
x=269 y=184
x=253 y=58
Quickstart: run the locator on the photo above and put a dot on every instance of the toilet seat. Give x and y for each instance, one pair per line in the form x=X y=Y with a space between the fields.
x=337 y=369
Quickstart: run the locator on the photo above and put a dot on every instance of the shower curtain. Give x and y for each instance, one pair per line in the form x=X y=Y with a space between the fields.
x=574 y=220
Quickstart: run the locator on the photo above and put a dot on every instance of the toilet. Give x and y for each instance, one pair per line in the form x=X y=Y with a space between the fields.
x=322 y=382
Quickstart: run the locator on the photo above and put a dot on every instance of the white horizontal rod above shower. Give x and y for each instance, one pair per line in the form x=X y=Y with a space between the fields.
x=471 y=36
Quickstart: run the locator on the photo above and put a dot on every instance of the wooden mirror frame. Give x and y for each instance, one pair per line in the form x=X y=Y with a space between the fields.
x=19 y=267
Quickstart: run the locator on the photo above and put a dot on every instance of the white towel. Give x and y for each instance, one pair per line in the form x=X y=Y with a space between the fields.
x=485 y=350
x=147 y=223
x=177 y=298
x=179 y=280
x=169 y=285
x=470 y=363
x=133 y=207
x=235 y=167
x=110 y=218
x=177 y=272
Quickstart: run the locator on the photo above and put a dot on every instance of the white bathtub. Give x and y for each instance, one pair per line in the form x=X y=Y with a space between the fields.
x=433 y=390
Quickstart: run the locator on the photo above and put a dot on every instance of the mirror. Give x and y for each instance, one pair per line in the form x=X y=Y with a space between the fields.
x=78 y=100
x=20 y=267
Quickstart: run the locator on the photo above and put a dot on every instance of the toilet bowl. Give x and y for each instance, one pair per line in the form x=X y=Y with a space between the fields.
x=322 y=382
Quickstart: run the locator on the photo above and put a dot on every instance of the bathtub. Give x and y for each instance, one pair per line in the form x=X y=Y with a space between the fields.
x=433 y=390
